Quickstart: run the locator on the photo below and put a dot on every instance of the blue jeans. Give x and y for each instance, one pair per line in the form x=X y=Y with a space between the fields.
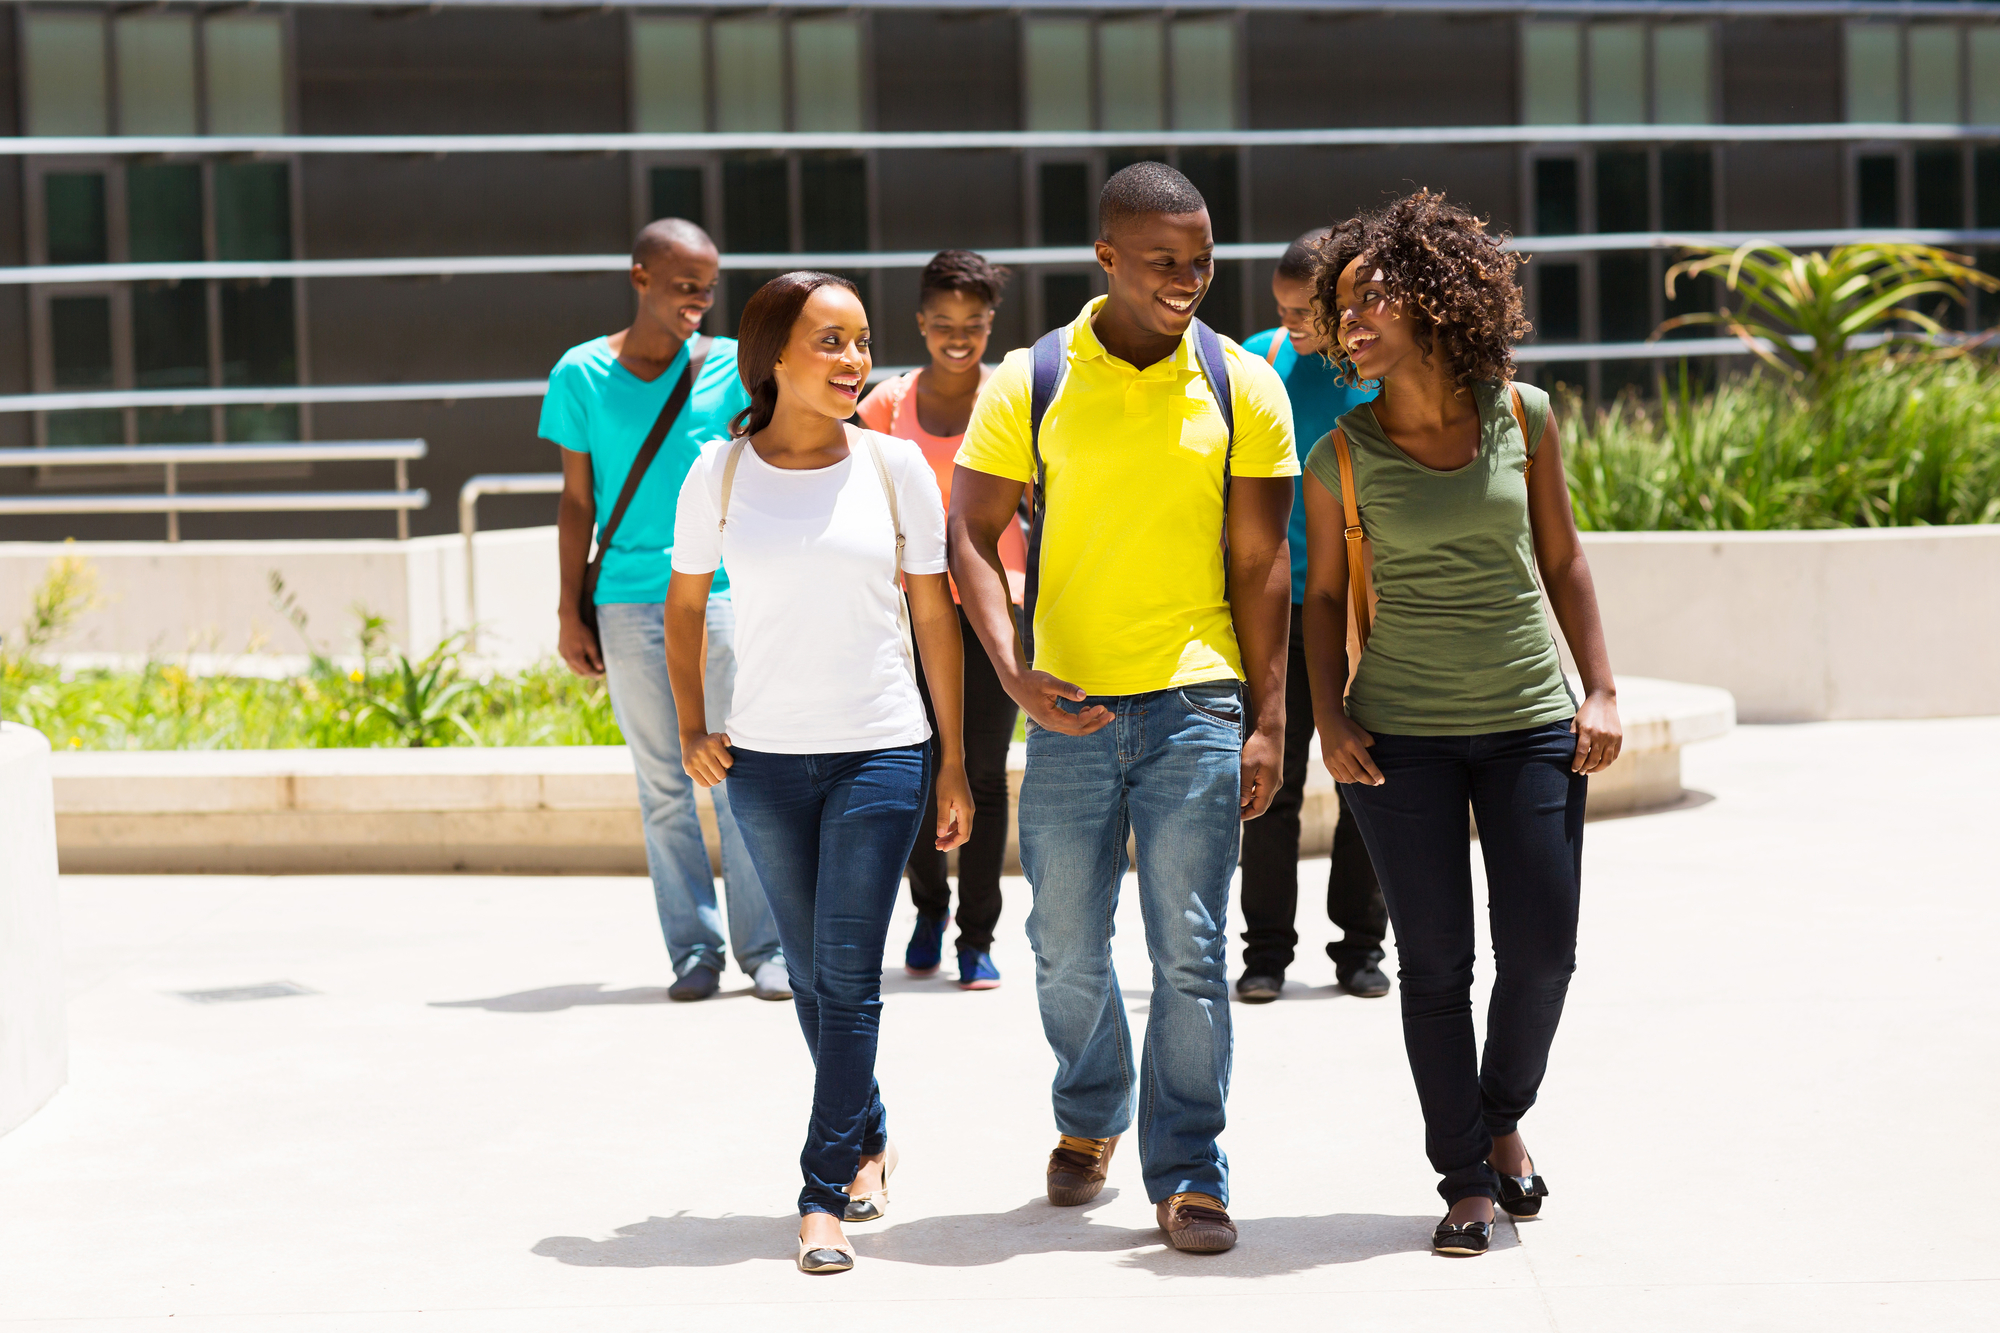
x=1167 y=770
x=633 y=637
x=829 y=834
x=1530 y=812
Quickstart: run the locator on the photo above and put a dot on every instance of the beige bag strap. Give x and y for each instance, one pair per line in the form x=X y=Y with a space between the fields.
x=895 y=519
x=729 y=479
x=1357 y=570
x=1271 y=352
x=1521 y=420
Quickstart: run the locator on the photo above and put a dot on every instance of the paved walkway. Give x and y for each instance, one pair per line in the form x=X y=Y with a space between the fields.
x=1766 y=1110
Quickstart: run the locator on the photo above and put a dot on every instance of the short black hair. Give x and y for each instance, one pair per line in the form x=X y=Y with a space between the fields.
x=658 y=237
x=962 y=271
x=1142 y=189
x=1301 y=259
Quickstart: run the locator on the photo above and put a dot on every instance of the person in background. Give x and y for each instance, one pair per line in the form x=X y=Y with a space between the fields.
x=929 y=406
x=1150 y=660
x=826 y=751
x=1296 y=350
x=1455 y=476
x=606 y=397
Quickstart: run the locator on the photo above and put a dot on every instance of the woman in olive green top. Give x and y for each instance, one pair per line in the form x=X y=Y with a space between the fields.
x=1459 y=697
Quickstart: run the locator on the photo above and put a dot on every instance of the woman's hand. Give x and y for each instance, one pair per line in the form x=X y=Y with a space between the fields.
x=1344 y=746
x=705 y=755
x=954 y=806
x=1599 y=737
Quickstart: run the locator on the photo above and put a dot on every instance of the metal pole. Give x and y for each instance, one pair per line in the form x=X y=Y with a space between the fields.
x=468 y=519
x=173 y=515
x=402 y=515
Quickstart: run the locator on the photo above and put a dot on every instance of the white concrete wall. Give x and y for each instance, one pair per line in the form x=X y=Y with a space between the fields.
x=1900 y=622
x=34 y=1031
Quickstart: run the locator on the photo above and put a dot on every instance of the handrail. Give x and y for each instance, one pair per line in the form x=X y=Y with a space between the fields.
x=501 y=265
x=130 y=455
x=130 y=145
x=1544 y=8
x=173 y=503
x=491 y=483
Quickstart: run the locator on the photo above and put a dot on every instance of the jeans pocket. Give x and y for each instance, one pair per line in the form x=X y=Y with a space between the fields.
x=1217 y=703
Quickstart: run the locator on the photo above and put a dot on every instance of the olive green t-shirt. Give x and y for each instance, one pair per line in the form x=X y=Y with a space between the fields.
x=1460 y=646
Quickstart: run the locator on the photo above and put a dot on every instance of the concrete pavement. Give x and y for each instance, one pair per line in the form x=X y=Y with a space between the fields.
x=1765 y=1109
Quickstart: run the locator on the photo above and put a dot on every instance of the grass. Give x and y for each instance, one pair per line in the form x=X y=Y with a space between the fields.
x=1890 y=442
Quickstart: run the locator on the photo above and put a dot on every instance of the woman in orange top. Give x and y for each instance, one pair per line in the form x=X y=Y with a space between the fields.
x=930 y=406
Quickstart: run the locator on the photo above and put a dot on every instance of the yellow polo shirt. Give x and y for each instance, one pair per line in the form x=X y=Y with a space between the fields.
x=1132 y=594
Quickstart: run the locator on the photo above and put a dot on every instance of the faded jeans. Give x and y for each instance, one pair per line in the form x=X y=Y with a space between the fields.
x=633 y=637
x=1166 y=770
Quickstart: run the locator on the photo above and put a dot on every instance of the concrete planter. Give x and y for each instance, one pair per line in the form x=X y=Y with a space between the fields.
x=34 y=1032
x=556 y=809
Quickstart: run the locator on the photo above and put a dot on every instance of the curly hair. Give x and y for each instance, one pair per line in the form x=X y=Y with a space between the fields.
x=1459 y=284
x=962 y=271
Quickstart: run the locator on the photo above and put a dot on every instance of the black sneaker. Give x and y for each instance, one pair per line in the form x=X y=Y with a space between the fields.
x=1259 y=987
x=697 y=983
x=1363 y=979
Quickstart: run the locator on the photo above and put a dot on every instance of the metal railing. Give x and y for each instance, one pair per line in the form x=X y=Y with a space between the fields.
x=173 y=502
x=491 y=483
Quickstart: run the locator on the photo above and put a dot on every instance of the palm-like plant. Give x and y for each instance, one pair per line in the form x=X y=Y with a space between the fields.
x=1826 y=299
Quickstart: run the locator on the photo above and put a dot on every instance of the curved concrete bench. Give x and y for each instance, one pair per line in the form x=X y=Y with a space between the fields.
x=34 y=1032
x=561 y=809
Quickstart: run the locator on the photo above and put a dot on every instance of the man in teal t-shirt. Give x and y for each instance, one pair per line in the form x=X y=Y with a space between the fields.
x=603 y=398
x=1271 y=844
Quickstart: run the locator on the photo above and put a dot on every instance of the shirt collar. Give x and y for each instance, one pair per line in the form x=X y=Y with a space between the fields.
x=1084 y=344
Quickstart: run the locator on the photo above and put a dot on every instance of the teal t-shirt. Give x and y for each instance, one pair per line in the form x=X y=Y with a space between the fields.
x=596 y=406
x=1319 y=400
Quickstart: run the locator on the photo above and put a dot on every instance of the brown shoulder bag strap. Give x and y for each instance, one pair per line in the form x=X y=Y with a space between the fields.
x=1357 y=569
x=1521 y=420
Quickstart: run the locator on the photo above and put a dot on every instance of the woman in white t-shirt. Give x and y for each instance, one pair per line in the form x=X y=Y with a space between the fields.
x=826 y=749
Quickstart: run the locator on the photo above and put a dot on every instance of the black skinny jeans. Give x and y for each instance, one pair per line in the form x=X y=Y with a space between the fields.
x=1530 y=812
x=989 y=729
x=1271 y=854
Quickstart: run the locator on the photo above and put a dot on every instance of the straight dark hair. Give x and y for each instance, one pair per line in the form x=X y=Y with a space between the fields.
x=761 y=337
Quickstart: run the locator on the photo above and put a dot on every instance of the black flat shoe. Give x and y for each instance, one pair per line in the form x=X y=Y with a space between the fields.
x=1462 y=1238
x=1521 y=1196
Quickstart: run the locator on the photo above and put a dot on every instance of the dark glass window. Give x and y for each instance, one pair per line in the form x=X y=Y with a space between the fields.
x=757 y=205
x=1222 y=308
x=163 y=210
x=257 y=333
x=1563 y=378
x=1556 y=211
x=1986 y=188
x=1118 y=159
x=1560 y=318
x=677 y=193
x=1940 y=188
x=1063 y=295
x=1624 y=296
x=173 y=425
x=89 y=425
x=1213 y=172
x=1986 y=305
x=1066 y=212
x=250 y=424
x=253 y=211
x=1875 y=191
x=80 y=341
x=1621 y=190
x=170 y=335
x=1687 y=189
x=73 y=207
x=833 y=199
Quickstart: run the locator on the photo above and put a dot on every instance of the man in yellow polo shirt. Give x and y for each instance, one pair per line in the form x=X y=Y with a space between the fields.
x=1152 y=670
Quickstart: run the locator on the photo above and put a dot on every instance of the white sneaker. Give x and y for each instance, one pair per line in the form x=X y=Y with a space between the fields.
x=770 y=981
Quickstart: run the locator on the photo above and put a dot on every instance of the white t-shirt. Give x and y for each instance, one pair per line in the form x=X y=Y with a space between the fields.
x=820 y=662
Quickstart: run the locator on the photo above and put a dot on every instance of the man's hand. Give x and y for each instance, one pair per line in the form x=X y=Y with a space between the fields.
x=1040 y=696
x=954 y=807
x=578 y=646
x=1344 y=746
x=1263 y=771
x=705 y=755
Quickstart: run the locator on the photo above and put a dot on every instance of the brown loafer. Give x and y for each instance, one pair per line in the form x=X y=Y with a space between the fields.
x=1077 y=1168
x=1197 y=1223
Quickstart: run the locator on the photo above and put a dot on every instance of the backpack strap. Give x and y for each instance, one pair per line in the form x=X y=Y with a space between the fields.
x=1215 y=369
x=1271 y=352
x=895 y=521
x=1357 y=570
x=729 y=480
x=1049 y=368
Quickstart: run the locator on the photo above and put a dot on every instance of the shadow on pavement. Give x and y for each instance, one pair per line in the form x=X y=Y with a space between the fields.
x=1270 y=1245
x=551 y=998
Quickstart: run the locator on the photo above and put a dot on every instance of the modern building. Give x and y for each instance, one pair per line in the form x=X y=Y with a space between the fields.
x=350 y=226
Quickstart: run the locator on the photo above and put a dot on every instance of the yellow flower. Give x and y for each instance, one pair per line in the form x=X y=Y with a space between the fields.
x=75 y=744
x=356 y=676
